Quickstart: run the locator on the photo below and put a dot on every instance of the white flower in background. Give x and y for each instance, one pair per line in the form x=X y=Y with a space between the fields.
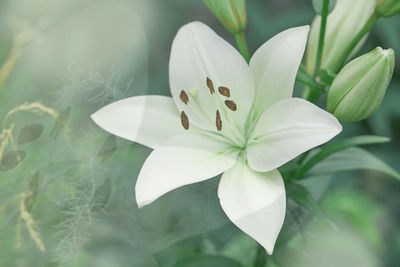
x=225 y=117
x=344 y=22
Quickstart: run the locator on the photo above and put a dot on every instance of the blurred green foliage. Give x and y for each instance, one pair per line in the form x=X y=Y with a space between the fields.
x=66 y=186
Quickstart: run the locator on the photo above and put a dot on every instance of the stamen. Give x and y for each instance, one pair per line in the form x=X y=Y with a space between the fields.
x=218 y=121
x=184 y=120
x=224 y=91
x=184 y=97
x=210 y=86
x=231 y=105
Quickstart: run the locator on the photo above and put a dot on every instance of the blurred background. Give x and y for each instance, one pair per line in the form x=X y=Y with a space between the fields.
x=67 y=187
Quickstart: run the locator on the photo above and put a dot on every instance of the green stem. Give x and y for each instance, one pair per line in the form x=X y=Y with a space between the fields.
x=242 y=45
x=312 y=94
x=303 y=77
x=261 y=257
x=321 y=41
x=367 y=27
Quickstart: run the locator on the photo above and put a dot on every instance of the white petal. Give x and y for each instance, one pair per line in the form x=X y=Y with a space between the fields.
x=287 y=129
x=148 y=120
x=255 y=202
x=182 y=160
x=275 y=65
x=197 y=53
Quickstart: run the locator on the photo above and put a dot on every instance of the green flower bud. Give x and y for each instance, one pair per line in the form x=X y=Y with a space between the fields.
x=388 y=8
x=358 y=89
x=346 y=19
x=231 y=13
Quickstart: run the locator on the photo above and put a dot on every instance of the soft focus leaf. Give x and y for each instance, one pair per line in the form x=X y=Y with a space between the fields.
x=241 y=248
x=12 y=159
x=299 y=194
x=102 y=195
x=30 y=133
x=31 y=196
x=318 y=4
x=108 y=147
x=359 y=210
x=353 y=159
x=206 y=260
x=60 y=122
x=338 y=146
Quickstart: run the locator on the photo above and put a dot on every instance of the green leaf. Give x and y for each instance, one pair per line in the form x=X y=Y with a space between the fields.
x=317 y=5
x=300 y=194
x=12 y=159
x=338 y=146
x=30 y=133
x=206 y=260
x=33 y=187
x=353 y=159
x=102 y=195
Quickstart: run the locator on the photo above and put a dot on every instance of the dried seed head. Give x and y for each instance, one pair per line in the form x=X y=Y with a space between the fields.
x=218 y=121
x=184 y=97
x=184 y=120
x=210 y=86
x=224 y=91
x=231 y=105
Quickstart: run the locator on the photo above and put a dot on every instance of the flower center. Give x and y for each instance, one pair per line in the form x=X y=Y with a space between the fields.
x=227 y=103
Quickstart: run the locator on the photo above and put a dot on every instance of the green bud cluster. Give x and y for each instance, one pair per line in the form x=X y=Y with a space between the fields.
x=358 y=89
x=231 y=13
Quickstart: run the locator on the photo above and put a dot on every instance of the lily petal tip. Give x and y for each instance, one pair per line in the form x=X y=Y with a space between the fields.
x=96 y=118
x=269 y=251
x=141 y=203
x=269 y=248
x=305 y=29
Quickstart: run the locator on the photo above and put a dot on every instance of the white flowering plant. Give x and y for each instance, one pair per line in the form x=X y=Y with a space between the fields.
x=225 y=133
x=233 y=115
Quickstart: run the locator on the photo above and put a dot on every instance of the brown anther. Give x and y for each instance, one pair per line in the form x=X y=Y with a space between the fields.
x=231 y=105
x=224 y=91
x=210 y=86
x=218 y=122
x=184 y=120
x=184 y=97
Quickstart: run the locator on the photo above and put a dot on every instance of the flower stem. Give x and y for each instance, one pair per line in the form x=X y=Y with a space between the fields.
x=242 y=45
x=261 y=257
x=321 y=41
x=312 y=94
x=367 y=27
x=303 y=77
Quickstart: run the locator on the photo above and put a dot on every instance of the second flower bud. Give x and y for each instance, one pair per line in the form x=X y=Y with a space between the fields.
x=360 y=86
x=231 y=13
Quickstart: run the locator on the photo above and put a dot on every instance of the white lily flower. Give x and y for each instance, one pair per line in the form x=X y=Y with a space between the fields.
x=225 y=117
